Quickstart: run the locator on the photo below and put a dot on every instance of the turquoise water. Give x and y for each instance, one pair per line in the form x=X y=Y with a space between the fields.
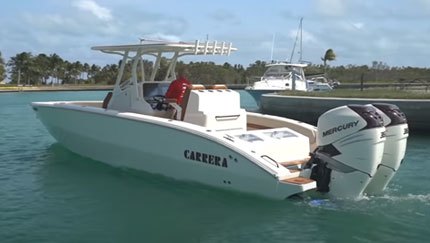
x=48 y=194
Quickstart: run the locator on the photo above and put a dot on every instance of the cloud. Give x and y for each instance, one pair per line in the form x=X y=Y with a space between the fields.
x=386 y=43
x=424 y=3
x=358 y=25
x=307 y=37
x=359 y=31
x=331 y=8
x=92 y=7
x=223 y=15
x=56 y=24
x=160 y=36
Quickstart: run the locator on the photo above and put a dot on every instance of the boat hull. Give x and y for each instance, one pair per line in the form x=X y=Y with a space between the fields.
x=160 y=146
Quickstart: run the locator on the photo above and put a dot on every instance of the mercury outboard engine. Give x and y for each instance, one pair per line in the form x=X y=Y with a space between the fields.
x=350 y=147
x=397 y=132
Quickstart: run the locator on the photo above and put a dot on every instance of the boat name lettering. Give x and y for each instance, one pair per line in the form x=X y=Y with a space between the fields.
x=340 y=128
x=205 y=158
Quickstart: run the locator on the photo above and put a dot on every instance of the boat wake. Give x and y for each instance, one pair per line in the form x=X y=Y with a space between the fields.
x=424 y=198
x=370 y=203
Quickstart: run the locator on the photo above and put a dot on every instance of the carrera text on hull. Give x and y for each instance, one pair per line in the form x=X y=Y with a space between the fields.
x=206 y=158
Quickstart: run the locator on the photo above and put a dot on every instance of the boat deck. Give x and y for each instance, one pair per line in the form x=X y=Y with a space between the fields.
x=298 y=180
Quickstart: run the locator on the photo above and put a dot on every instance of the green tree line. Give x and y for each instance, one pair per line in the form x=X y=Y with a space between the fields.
x=2 y=68
x=26 y=68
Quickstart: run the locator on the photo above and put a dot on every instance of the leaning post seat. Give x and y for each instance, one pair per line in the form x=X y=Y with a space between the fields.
x=216 y=109
x=187 y=96
x=218 y=86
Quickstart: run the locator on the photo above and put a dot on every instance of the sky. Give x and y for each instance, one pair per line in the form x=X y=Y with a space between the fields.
x=395 y=32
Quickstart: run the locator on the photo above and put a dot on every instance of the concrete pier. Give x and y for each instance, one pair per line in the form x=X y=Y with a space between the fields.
x=308 y=109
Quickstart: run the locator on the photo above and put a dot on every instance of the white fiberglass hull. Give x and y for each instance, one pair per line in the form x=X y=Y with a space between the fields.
x=161 y=146
x=274 y=85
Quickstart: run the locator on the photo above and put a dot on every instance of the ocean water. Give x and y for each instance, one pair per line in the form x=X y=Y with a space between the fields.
x=49 y=194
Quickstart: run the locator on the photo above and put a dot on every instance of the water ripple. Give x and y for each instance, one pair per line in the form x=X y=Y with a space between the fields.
x=48 y=194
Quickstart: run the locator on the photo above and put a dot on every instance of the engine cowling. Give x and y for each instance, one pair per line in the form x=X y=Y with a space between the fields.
x=397 y=132
x=350 y=146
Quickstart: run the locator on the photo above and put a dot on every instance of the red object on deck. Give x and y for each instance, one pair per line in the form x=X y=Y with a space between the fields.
x=177 y=89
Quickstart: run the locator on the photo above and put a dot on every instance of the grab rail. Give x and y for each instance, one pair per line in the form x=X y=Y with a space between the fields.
x=227 y=117
x=272 y=160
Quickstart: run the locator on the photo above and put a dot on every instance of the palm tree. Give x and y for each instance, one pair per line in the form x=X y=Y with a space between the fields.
x=256 y=69
x=56 y=64
x=329 y=56
x=85 y=70
x=20 y=65
x=76 y=69
x=93 y=71
x=2 y=69
x=41 y=68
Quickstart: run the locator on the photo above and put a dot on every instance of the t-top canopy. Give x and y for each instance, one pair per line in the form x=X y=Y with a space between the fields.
x=182 y=48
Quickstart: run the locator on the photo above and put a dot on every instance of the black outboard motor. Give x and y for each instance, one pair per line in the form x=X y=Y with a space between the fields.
x=397 y=132
x=350 y=146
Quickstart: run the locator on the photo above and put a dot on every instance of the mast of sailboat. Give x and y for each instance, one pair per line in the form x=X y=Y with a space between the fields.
x=299 y=34
x=273 y=44
x=301 y=39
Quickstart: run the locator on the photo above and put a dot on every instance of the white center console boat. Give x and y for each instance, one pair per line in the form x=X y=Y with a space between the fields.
x=210 y=139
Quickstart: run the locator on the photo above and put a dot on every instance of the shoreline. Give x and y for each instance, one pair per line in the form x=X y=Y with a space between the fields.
x=8 y=89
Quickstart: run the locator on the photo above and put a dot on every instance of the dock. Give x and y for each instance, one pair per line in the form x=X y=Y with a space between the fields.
x=308 y=109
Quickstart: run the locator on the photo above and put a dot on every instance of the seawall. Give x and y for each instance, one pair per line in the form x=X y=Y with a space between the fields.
x=308 y=109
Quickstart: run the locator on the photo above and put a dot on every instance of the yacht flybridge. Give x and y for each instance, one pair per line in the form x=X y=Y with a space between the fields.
x=210 y=139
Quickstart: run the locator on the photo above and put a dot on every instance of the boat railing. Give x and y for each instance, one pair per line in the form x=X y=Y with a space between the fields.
x=268 y=158
x=213 y=48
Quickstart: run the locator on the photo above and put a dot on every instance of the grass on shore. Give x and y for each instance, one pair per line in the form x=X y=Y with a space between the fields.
x=368 y=93
x=53 y=88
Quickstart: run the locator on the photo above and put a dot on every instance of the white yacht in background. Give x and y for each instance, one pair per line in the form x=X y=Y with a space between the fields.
x=281 y=76
x=211 y=140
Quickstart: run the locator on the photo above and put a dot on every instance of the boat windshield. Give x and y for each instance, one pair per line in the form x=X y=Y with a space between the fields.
x=281 y=71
